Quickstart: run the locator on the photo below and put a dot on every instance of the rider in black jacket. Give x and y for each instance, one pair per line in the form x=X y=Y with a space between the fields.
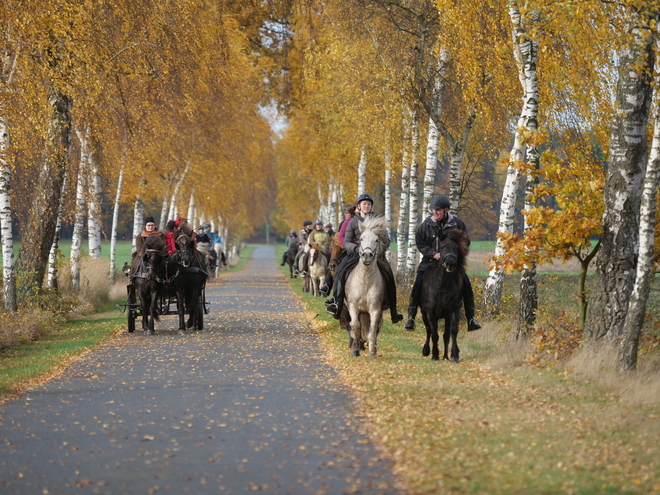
x=425 y=239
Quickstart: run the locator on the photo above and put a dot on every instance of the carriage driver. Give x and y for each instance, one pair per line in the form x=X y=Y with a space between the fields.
x=304 y=234
x=427 y=233
x=149 y=230
x=351 y=244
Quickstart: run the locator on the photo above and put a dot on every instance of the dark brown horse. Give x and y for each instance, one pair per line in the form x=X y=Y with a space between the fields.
x=148 y=272
x=188 y=275
x=440 y=294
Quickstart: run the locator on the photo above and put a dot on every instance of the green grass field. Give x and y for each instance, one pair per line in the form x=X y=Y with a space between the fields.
x=124 y=249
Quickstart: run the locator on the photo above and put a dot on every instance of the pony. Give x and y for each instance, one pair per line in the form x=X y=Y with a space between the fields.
x=365 y=286
x=189 y=278
x=290 y=258
x=148 y=272
x=440 y=294
x=318 y=265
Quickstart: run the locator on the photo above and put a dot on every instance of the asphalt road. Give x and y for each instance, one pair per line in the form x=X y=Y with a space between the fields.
x=247 y=404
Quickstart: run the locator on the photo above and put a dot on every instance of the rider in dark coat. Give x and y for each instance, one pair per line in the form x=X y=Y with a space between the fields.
x=428 y=233
x=351 y=245
x=291 y=239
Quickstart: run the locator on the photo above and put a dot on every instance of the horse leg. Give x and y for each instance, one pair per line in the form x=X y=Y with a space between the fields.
x=356 y=334
x=374 y=325
x=191 y=306
x=153 y=311
x=445 y=337
x=455 y=351
x=145 y=304
x=428 y=324
x=180 y=306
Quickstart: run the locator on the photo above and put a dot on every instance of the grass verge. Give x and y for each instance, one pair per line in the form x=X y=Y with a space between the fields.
x=492 y=424
x=27 y=365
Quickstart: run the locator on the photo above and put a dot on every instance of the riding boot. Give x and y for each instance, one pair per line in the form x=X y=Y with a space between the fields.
x=412 y=313
x=469 y=315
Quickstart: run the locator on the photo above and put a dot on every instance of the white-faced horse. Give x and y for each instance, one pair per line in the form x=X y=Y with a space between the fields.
x=318 y=266
x=365 y=286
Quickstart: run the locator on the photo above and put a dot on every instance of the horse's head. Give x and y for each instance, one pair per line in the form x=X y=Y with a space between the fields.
x=153 y=257
x=185 y=245
x=153 y=261
x=453 y=248
x=373 y=238
x=370 y=247
x=335 y=253
x=449 y=252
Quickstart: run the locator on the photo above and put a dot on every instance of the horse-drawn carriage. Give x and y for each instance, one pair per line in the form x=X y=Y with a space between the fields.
x=166 y=304
x=159 y=281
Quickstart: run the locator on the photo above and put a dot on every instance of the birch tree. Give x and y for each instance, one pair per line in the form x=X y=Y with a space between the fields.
x=112 y=272
x=403 y=210
x=7 y=71
x=411 y=261
x=52 y=278
x=525 y=53
x=645 y=262
x=362 y=173
x=616 y=261
x=388 y=198
x=78 y=227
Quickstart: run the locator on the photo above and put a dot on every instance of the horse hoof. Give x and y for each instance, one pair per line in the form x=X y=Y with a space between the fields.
x=436 y=358
x=454 y=360
x=372 y=356
x=355 y=353
x=182 y=332
x=426 y=351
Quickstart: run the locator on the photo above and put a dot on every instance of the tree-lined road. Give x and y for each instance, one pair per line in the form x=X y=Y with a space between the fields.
x=247 y=404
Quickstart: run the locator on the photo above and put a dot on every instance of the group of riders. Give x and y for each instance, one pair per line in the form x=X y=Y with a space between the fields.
x=429 y=234
x=207 y=242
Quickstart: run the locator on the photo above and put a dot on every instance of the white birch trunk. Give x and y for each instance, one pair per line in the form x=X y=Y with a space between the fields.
x=52 y=272
x=644 y=273
x=173 y=213
x=388 y=198
x=164 y=208
x=8 y=270
x=138 y=218
x=334 y=218
x=115 y=220
x=8 y=69
x=433 y=140
x=403 y=208
x=78 y=226
x=191 y=207
x=94 y=207
x=362 y=173
x=411 y=261
x=525 y=54
x=613 y=282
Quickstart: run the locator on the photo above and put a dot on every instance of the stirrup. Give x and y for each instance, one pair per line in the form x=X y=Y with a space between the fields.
x=473 y=325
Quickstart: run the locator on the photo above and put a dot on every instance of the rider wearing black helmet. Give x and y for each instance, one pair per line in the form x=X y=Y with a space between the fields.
x=291 y=239
x=429 y=230
x=304 y=234
x=351 y=244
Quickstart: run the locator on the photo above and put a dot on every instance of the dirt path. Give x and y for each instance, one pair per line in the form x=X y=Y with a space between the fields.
x=247 y=404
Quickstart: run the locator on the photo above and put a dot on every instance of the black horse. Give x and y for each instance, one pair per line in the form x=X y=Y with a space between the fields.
x=290 y=257
x=148 y=272
x=187 y=272
x=440 y=294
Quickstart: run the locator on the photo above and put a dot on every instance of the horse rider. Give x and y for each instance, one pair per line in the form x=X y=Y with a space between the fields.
x=292 y=239
x=351 y=245
x=427 y=234
x=328 y=229
x=349 y=212
x=304 y=234
x=321 y=238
